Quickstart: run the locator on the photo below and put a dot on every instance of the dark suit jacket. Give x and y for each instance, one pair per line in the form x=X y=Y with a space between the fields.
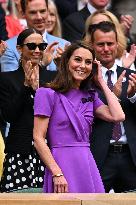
x=3 y=31
x=102 y=131
x=74 y=25
x=16 y=103
x=66 y=7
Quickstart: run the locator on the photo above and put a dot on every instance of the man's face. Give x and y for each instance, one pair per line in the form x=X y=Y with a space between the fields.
x=36 y=14
x=99 y=4
x=105 y=46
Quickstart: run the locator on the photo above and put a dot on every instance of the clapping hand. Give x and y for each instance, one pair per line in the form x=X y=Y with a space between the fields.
x=132 y=85
x=48 y=53
x=126 y=22
x=117 y=89
x=58 y=54
x=129 y=58
x=31 y=75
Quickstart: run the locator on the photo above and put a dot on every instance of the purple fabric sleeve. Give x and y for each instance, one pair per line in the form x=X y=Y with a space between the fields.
x=97 y=101
x=44 y=101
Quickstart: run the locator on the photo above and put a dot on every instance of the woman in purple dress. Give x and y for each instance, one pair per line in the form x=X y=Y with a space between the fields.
x=64 y=112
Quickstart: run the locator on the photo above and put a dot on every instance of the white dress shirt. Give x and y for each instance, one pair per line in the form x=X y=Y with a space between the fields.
x=92 y=9
x=44 y=36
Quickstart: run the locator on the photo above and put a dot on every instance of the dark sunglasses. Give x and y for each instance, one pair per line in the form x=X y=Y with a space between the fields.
x=33 y=46
x=102 y=25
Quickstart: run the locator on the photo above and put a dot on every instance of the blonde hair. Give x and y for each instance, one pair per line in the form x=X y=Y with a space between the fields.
x=121 y=39
x=57 y=31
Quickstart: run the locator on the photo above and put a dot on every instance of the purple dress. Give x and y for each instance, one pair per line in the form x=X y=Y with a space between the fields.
x=71 y=117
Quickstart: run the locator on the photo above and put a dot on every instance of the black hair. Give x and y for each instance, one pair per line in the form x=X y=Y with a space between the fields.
x=24 y=34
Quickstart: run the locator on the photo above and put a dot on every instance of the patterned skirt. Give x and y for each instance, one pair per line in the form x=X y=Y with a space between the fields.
x=21 y=172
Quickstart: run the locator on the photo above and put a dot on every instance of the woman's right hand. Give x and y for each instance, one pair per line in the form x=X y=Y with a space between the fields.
x=97 y=78
x=60 y=184
x=31 y=75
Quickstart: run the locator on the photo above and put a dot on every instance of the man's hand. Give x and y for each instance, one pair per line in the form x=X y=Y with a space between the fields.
x=126 y=22
x=128 y=60
x=132 y=85
x=117 y=89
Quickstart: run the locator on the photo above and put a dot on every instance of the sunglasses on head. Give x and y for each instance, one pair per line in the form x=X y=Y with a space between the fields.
x=104 y=25
x=33 y=46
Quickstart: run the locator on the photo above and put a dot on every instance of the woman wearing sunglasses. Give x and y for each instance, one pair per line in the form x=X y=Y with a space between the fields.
x=22 y=166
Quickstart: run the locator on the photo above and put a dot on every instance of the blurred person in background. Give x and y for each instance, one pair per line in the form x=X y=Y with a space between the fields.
x=67 y=7
x=122 y=10
x=73 y=26
x=3 y=31
x=17 y=11
x=52 y=23
x=13 y=25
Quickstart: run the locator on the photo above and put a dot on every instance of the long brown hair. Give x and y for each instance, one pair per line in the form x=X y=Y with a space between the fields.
x=64 y=81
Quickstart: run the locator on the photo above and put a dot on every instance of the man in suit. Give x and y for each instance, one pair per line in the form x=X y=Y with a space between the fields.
x=123 y=12
x=74 y=25
x=67 y=7
x=35 y=12
x=115 y=155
